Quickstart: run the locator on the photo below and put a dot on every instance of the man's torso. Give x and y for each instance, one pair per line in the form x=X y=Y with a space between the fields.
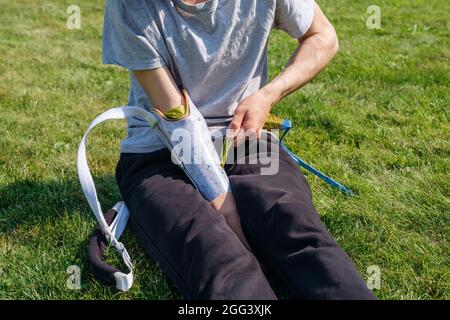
x=216 y=50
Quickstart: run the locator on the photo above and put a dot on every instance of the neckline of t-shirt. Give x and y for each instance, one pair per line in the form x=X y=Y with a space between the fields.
x=207 y=6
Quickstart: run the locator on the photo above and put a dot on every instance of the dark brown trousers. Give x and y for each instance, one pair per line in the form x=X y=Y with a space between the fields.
x=202 y=256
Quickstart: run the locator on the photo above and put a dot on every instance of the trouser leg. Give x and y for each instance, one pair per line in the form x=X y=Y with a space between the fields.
x=286 y=232
x=179 y=229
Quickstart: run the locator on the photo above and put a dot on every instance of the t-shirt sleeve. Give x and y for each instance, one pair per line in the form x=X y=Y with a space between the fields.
x=130 y=37
x=294 y=16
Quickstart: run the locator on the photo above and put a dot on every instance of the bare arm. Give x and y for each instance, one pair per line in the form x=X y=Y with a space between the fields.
x=315 y=50
x=160 y=87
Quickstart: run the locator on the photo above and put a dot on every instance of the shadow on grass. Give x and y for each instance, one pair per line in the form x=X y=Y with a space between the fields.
x=60 y=206
x=26 y=204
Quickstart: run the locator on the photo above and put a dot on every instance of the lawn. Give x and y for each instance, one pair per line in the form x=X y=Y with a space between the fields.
x=376 y=119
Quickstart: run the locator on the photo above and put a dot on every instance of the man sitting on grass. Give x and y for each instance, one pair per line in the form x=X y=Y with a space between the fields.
x=216 y=52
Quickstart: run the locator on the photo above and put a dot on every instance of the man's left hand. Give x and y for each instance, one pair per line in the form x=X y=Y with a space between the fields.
x=250 y=116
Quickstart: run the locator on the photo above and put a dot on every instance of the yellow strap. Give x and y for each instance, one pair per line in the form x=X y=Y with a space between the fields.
x=176 y=113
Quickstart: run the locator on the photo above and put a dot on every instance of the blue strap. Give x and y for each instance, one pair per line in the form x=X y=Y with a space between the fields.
x=286 y=125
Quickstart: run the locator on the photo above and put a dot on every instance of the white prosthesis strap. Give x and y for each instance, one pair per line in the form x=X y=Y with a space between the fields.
x=207 y=175
x=113 y=231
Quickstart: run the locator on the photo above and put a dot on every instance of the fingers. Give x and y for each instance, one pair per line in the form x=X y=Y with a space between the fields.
x=258 y=133
x=244 y=126
x=250 y=133
x=238 y=118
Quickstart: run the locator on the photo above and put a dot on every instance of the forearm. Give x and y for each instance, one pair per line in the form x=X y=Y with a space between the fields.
x=316 y=49
x=160 y=87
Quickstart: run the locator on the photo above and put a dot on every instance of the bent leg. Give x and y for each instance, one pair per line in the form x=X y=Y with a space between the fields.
x=286 y=232
x=178 y=228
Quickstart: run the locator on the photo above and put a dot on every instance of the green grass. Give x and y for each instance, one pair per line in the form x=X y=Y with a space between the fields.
x=375 y=119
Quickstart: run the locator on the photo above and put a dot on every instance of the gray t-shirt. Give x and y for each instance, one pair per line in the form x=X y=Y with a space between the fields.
x=216 y=50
